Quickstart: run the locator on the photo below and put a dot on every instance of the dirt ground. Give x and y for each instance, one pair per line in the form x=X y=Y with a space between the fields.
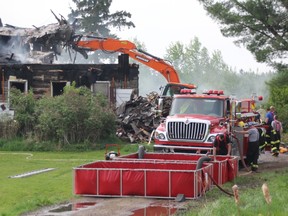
x=267 y=161
x=131 y=206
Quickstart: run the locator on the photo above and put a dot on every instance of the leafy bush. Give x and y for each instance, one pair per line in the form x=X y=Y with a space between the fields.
x=74 y=117
x=8 y=128
x=24 y=107
x=278 y=96
x=77 y=116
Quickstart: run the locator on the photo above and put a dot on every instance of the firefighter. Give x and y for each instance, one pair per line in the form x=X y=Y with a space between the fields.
x=276 y=129
x=262 y=139
x=253 y=147
x=268 y=120
x=222 y=145
x=270 y=115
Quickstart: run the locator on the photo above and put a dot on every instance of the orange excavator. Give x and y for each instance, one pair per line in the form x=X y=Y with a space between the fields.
x=127 y=47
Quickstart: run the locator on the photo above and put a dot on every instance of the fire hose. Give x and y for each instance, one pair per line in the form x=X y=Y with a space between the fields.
x=200 y=162
x=207 y=159
x=230 y=194
x=240 y=152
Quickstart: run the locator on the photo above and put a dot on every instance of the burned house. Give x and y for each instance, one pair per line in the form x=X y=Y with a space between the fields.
x=27 y=62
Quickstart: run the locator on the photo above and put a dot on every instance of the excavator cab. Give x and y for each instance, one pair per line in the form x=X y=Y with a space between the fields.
x=174 y=88
x=165 y=99
x=170 y=90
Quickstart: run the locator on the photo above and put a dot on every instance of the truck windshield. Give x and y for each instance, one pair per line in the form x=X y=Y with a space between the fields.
x=212 y=107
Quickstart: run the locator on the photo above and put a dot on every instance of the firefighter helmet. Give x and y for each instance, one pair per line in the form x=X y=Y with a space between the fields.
x=241 y=124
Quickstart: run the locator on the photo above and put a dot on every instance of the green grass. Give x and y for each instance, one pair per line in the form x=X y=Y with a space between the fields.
x=252 y=201
x=20 y=195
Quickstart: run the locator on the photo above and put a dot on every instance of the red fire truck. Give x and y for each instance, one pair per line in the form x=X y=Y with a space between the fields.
x=195 y=120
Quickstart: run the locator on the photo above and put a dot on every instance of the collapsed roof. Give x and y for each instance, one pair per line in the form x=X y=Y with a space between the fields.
x=34 y=45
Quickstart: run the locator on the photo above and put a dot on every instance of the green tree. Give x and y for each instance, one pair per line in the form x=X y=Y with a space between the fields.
x=278 y=95
x=189 y=60
x=196 y=65
x=93 y=17
x=261 y=26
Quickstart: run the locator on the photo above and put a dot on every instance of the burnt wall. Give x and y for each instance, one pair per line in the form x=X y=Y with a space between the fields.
x=40 y=76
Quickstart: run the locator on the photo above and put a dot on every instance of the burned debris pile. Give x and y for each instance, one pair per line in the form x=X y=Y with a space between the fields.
x=34 y=45
x=138 y=118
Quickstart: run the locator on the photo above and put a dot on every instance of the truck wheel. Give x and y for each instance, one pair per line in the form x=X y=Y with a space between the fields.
x=158 y=150
x=110 y=155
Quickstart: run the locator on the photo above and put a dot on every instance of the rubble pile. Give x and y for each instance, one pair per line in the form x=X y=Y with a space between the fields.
x=167 y=101
x=34 y=45
x=137 y=118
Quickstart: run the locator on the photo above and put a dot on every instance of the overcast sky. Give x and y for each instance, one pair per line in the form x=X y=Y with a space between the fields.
x=158 y=24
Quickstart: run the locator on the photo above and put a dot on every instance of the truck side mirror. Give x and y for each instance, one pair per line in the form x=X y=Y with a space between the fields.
x=160 y=106
x=228 y=108
x=238 y=109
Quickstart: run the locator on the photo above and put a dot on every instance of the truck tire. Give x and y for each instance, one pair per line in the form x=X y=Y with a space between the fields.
x=110 y=155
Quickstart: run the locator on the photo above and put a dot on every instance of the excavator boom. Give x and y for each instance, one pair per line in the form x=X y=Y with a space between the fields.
x=112 y=45
x=127 y=47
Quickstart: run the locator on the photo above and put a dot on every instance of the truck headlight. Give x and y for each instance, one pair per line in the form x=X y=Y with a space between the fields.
x=211 y=139
x=159 y=136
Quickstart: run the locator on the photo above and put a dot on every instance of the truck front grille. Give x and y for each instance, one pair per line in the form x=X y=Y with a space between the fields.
x=191 y=131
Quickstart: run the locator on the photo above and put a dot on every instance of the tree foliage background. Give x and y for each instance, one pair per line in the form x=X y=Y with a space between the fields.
x=209 y=71
x=261 y=27
x=93 y=18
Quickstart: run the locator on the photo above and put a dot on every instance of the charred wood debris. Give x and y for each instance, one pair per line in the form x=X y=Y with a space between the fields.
x=136 y=118
x=38 y=44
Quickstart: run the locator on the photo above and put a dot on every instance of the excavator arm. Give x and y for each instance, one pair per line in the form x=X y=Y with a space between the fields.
x=127 y=47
